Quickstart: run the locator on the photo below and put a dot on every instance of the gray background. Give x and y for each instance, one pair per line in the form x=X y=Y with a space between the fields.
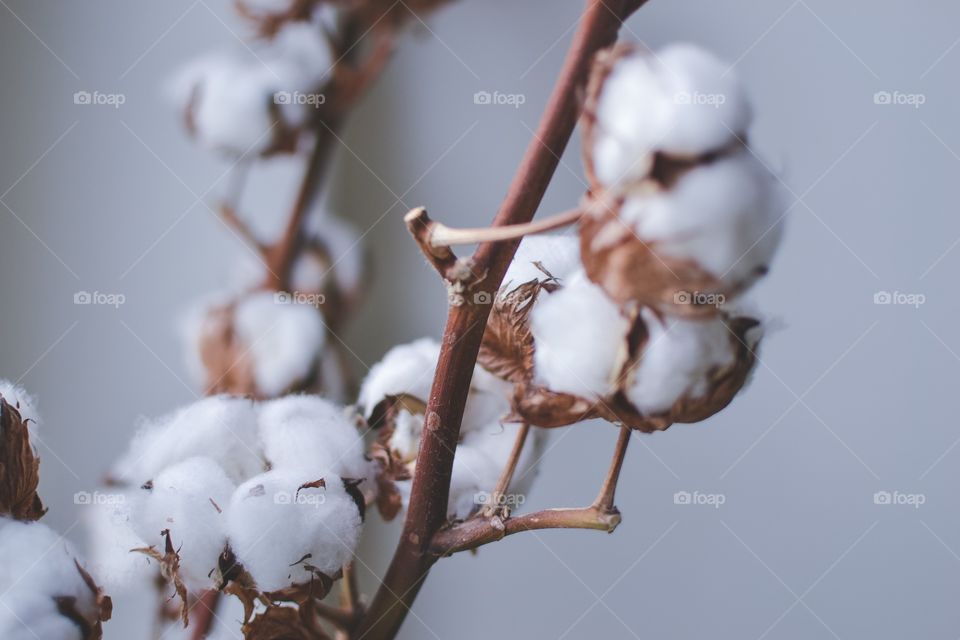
x=851 y=398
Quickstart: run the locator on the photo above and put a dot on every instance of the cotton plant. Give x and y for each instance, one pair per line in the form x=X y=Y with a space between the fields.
x=46 y=590
x=635 y=315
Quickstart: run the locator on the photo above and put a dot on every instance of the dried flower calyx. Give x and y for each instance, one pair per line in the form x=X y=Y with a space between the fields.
x=682 y=215
x=19 y=464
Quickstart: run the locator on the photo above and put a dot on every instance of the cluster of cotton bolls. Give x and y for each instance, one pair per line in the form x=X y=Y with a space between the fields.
x=256 y=104
x=641 y=328
x=45 y=591
x=254 y=340
x=393 y=399
x=682 y=212
x=275 y=487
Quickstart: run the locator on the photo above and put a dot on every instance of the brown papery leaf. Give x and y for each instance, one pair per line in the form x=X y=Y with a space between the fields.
x=169 y=562
x=507 y=347
x=280 y=623
x=19 y=467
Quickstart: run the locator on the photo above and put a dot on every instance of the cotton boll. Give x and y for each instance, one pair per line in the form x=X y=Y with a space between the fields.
x=676 y=361
x=188 y=499
x=405 y=439
x=473 y=473
x=37 y=565
x=300 y=57
x=283 y=339
x=111 y=537
x=278 y=530
x=220 y=427
x=725 y=216
x=580 y=337
x=229 y=104
x=559 y=254
x=405 y=369
x=633 y=117
x=310 y=433
x=18 y=398
x=711 y=108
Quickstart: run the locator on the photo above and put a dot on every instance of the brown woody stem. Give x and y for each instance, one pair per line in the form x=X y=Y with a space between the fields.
x=206 y=614
x=427 y=510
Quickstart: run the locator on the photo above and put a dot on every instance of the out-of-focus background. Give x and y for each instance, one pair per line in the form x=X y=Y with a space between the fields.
x=837 y=469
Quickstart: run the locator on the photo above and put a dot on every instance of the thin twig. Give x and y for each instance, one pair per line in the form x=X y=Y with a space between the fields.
x=602 y=515
x=441 y=235
x=506 y=476
x=420 y=225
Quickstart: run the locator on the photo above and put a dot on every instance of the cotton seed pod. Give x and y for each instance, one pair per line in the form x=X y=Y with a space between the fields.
x=681 y=216
x=263 y=344
x=19 y=464
x=659 y=369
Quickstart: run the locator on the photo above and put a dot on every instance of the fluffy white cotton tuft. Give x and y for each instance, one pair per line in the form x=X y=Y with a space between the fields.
x=283 y=337
x=188 y=499
x=232 y=101
x=220 y=427
x=308 y=432
x=111 y=537
x=677 y=360
x=682 y=101
x=558 y=254
x=279 y=530
x=405 y=369
x=36 y=566
x=725 y=215
x=580 y=339
x=16 y=396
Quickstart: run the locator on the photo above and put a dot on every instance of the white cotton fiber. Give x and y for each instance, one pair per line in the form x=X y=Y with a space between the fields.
x=711 y=106
x=580 y=339
x=309 y=433
x=229 y=101
x=677 y=360
x=558 y=254
x=726 y=216
x=682 y=101
x=220 y=427
x=283 y=338
x=111 y=537
x=405 y=439
x=188 y=499
x=278 y=530
x=17 y=397
x=36 y=565
x=405 y=369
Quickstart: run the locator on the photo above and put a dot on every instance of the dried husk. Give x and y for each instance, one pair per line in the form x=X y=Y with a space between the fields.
x=19 y=467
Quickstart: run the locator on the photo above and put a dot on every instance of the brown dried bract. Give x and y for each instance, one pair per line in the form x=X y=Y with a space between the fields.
x=19 y=467
x=282 y=623
x=507 y=347
x=169 y=562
